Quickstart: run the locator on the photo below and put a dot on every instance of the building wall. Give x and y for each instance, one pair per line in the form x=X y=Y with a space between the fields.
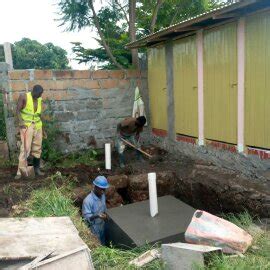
x=232 y=90
x=87 y=105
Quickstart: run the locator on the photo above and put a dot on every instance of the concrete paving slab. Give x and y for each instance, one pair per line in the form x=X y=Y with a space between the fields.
x=131 y=225
x=26 y=238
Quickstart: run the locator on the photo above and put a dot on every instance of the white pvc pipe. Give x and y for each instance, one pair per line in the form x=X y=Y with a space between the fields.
x=153 y=194
x=108 y=163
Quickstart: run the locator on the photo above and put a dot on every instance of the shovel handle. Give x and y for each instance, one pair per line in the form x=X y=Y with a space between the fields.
x=140 y=150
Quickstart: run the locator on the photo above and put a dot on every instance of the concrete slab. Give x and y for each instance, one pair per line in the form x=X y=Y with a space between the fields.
x=27 y=238
x=186 y=256
x=131 y=225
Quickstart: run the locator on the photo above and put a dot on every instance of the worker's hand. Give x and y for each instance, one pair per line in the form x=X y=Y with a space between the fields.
x=103 y=216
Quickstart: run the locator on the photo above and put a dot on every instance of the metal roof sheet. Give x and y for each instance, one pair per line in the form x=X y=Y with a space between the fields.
x=223 y=9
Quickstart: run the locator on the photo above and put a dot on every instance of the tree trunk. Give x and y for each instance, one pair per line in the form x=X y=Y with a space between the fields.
x=154 y=16
x=105 y=45
x=132 y=31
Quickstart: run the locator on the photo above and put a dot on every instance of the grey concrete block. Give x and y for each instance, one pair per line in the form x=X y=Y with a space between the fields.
x=131 y=225
x=64 y=116
x=87 y=115
x=183 y=256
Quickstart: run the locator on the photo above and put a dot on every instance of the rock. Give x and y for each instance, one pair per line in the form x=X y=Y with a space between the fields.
x=138 y=196
x=114 y=201
x=79 y=193
x=110 y=192
x=165 y=182
x=119 y=181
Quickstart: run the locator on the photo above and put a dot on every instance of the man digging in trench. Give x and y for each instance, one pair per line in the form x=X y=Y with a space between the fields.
x=29 y=108
x=129 y=130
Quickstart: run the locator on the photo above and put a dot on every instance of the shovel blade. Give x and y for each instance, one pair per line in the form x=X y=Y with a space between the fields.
x=28 y=172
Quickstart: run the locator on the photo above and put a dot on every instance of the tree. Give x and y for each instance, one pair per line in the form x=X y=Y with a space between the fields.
x=28 y=54
x=120 y=21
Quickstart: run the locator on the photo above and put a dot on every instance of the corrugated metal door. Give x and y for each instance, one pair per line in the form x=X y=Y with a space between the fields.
x=257 y=91
x=186 y=86
x=157 y=87
x=220 y=83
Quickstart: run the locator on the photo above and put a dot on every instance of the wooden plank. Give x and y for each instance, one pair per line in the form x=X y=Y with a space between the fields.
x=76 y=259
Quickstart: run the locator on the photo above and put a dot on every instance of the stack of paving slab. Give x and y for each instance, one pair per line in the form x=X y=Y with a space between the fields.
x=24 y=239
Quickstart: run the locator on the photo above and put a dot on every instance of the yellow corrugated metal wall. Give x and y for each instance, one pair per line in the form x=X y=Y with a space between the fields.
x=220 y=83
x=257 y=82
x=157 y=87
x=185 y=86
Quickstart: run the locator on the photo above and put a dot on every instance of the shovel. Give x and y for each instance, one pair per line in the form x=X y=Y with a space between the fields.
x=138 y=149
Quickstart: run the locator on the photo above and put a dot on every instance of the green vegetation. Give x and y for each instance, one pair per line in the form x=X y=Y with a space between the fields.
x=112 y=258
x=86 y=157
x=30 y=54
x=115 y=29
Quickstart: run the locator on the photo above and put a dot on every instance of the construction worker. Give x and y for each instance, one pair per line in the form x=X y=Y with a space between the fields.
x=94 y=208
x=29 y=109
x=129 y=129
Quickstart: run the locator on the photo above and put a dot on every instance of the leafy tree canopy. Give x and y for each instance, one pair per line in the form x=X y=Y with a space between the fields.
x=30 y=54
x=112 y=24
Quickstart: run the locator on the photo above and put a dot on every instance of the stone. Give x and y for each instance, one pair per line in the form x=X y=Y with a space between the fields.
x=115 y=201
x=110 y=192
x=138 y=196
x=119 y=181
x=64 y=116
x=186 y=255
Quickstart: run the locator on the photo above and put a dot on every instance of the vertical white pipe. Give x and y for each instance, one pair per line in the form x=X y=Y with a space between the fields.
x=153 y=194
x=108 y=164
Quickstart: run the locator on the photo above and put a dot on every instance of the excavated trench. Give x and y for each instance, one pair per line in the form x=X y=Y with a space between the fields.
x=195 y=182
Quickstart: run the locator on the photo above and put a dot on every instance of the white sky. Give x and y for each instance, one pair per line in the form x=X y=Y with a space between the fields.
x=35 y=19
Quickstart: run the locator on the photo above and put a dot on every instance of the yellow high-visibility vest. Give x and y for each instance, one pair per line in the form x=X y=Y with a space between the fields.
x=29 y=115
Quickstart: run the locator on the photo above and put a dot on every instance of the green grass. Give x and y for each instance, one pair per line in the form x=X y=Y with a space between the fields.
x=87 y=157
x=56 y=201
x=112 y=258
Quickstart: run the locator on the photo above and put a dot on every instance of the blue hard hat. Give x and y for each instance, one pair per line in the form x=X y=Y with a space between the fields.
x=101 y=182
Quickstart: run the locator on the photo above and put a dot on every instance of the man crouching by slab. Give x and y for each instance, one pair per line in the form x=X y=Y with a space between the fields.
x=94 y=208
x=29 y=108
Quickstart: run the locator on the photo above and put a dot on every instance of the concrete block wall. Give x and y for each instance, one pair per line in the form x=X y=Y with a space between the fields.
x=87 y=105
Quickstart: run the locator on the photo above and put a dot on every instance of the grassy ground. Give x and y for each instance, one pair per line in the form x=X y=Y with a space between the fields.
x=55 y=200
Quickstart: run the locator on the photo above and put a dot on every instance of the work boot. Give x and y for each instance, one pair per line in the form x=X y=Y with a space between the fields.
x=36 y=164
x=139 y=156
x=122 y=161
x=17 y=177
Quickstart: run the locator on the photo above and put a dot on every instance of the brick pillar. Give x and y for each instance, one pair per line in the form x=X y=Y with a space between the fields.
x=170 y=91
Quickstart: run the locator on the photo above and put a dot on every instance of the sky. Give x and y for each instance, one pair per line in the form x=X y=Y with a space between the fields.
x=35 y=19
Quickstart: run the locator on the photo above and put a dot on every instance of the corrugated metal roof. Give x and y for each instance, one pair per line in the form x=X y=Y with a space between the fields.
x=229 y=7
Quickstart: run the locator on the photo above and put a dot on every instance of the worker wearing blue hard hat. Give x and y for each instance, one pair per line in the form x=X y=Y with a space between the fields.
x=94 y=208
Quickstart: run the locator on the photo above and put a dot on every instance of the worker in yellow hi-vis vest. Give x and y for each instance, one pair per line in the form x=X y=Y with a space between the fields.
x=29 y=108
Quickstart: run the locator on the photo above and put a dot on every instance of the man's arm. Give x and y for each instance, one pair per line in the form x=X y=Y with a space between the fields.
x=87 y=212
x=21 y=105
